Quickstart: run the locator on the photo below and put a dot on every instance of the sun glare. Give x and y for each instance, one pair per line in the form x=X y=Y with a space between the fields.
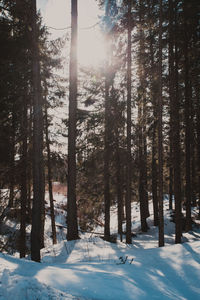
x=91 y=48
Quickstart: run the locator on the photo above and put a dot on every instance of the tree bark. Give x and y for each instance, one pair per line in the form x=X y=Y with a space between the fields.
x=198 y=147
x=107 y=131
x=171 y=98
x=144 y=130
x=153 y=80
x=72 y=222
x=53 y=225
x=128 y=158
x=160 y=137
x=107 y=160
x=119 y=181
x=188 y=225
x=176 y=138
x=38 y=165
x=23 y=180
x=12 y=161
x=141 y=99
x=193 y=154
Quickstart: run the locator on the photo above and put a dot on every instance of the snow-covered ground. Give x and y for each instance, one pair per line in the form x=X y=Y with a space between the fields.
x=91 y=268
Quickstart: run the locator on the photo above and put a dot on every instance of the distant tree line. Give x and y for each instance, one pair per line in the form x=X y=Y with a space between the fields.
x=140 y=137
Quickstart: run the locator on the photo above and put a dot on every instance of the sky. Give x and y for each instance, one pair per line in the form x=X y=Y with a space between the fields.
x=56 y=13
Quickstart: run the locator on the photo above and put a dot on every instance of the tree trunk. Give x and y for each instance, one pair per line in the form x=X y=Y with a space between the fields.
x=119 y=193
x=144 y=130
x=141 y=99
x=23 y=180
x=72 y=222
x=193 y=154
x=53 y=225
x=118 y=165
x=38 y=165
x=107 y=132
x=198 y=149
x=154 y=176
x=29 y=166
x=160 y=137
x=176 y=138
x=188 y=225
x=171 y=173
x=128 y=158
x=12 y=161
x=107 y=161
x=153 y=81
x=171 y=99
x=144 y=226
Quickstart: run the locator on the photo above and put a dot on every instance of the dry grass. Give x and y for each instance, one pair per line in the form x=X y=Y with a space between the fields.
x=60 y=188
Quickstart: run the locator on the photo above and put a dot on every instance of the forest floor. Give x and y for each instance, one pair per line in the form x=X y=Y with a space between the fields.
x=91 y=268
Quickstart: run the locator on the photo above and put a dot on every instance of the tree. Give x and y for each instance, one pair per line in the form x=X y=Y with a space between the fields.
x=160 y=137
x=187 y=120
x=171 y=95
x=53 y=226
x=23 y=180
x=176 y=130
x=107 y=135
x=143 y=198
x=72 y=223
x=153 y=99
x=38 y=165
x=129 y=157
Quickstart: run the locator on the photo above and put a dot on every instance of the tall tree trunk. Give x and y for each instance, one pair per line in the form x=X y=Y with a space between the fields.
x=155 y=122
x=171 y=176
x=171 y=98
x=107 y=132
x=29 y=162
x=141 y=99
x=154 y=175
x=128 y=158
x=12 y=161
x=160 y=137
x=38 y=165
x=144 y=130
x=72 y=222
x=144 y=226
x=23 y=180
x=107 y=154
x=176 y=138
x=53 y=225
x=198 y=148
x=193 y=160
x=119 y=193
x=188 y=225
x=118 y=164
x=193 y=153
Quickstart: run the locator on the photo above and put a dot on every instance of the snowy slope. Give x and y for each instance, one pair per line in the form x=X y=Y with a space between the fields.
x=172 y=272
x=91 y=268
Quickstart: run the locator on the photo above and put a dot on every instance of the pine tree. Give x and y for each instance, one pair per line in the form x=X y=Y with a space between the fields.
x=153 y=99
x=176 y=134
x=160 y=137
x=129 y=157
x=187 y=121
x=141 y=123
x=38 y=166
x=72 y=223
x=107 y=136
x=53 y=226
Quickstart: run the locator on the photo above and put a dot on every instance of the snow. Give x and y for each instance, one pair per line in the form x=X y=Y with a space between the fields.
x=91 y=268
